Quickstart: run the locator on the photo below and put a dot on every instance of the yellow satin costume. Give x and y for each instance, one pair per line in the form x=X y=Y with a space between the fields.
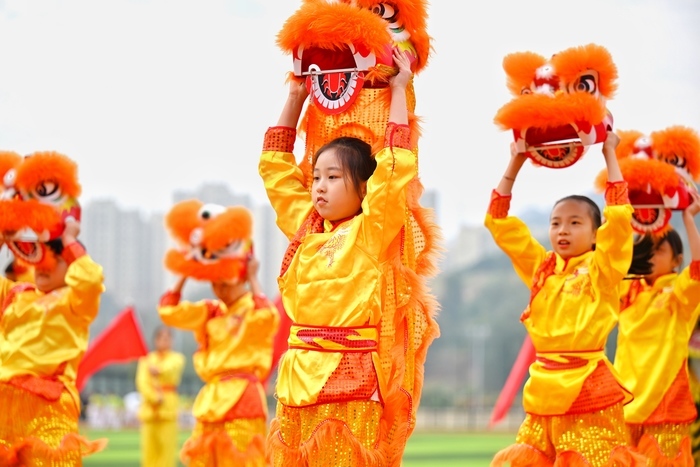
x=159 y=407
x=330 y=386
x=233 y=359
x=573 y=400
x=42 y=339
x=651 y=358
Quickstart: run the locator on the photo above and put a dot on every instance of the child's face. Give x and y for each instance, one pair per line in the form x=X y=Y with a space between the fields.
x=663 y=261
x=571 y=230
x=332 y=192
x=51 y=279
x=163 y=341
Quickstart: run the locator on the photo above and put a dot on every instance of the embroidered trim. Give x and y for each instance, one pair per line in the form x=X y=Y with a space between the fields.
x=695 y=270
x=616 y=193
x=499 y=205
x=280 y=139
x=397 y=136
x=169 y=298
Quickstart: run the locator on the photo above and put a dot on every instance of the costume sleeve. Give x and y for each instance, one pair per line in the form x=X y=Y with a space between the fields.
x=261 y=326
x=284 y=180
x=5 y=286
x=384 y=206
x=514 y=238
x=186 y=315
x=614 y=240
x=144 y=384
x=84 y=280
x=686 y=293
x=171 y=369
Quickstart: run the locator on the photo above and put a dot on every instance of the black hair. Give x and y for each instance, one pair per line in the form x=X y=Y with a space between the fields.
x=56 y=245
x=593 y=208
x=354 y=157
x=642 y=253
x=161 y=329
x=674 y=240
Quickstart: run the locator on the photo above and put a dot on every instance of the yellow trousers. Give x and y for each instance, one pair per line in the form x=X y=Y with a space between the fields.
x=38 y=432
x=594 y=439
x=159 y=443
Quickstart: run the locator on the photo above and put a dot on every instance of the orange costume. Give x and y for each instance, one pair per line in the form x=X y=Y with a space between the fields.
x=656 y=324
x=43 y=336
x=234 y=356
x=42 y=339
x=331 y=388
x=573 y=399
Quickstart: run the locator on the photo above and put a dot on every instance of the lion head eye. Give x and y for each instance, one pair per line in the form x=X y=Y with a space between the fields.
x=674 y=159
x=46 y=191
x=585 y=83
x=385 y=11
x=210 y=211
x=524 y=91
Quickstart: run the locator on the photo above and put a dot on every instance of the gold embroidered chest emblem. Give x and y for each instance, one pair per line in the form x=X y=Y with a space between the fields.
x=335 y=243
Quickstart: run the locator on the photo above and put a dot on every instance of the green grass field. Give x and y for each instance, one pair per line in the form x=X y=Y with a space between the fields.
x=423 y=450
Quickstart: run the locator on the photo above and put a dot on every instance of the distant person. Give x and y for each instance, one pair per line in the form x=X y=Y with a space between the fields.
x=573 y=400
x=235 y=333
x=657 y=320
x=43 y=336
x=158 y=376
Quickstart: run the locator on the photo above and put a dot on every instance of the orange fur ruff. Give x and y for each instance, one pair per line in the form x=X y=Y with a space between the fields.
x=219 y=228
x=642 y=173
x=678 y=141
x=571 y=62
x=49 y=166
x=626 y=146
x=520 y=67
x=541 y=111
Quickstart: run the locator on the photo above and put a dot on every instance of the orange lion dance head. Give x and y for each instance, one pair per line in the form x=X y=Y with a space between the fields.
x=214 y=242
x=343 y=50
x=661 y=170
x=559 y=108
x=40 y=191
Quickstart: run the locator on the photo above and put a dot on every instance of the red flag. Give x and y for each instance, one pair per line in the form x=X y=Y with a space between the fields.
x=121 y=341
x=515 y=379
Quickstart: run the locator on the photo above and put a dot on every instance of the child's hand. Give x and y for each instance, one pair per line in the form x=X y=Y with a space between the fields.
x=694 y=207
x=297 y=90
x=402 y=78
x=70 y=231
x=611 y=142
x=515 y=155
x=253 y=267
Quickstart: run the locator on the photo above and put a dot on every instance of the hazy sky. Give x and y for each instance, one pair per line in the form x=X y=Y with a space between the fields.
x=151 y=96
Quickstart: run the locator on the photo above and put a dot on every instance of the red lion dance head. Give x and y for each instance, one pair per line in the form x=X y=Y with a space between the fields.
x=559 y=108
x=343 y=49
x=40 y=191
x=214 y=242
x=661 y=170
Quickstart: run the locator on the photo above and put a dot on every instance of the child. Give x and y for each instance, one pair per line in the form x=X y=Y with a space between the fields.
x=652 y=346
x=573 y=401
x=235 y=335
x=157 y=378
x=43 y=336
x=330 y=388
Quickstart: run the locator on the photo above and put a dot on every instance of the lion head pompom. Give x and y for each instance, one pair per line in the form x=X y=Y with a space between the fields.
x=214 y=242
x=559 y=105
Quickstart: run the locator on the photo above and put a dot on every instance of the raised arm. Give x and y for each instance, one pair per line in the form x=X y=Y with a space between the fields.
x=384 y=205
x=691 y=228
x=510 y=233
x=284 y=180
x=614 y=240
x=83 y=276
